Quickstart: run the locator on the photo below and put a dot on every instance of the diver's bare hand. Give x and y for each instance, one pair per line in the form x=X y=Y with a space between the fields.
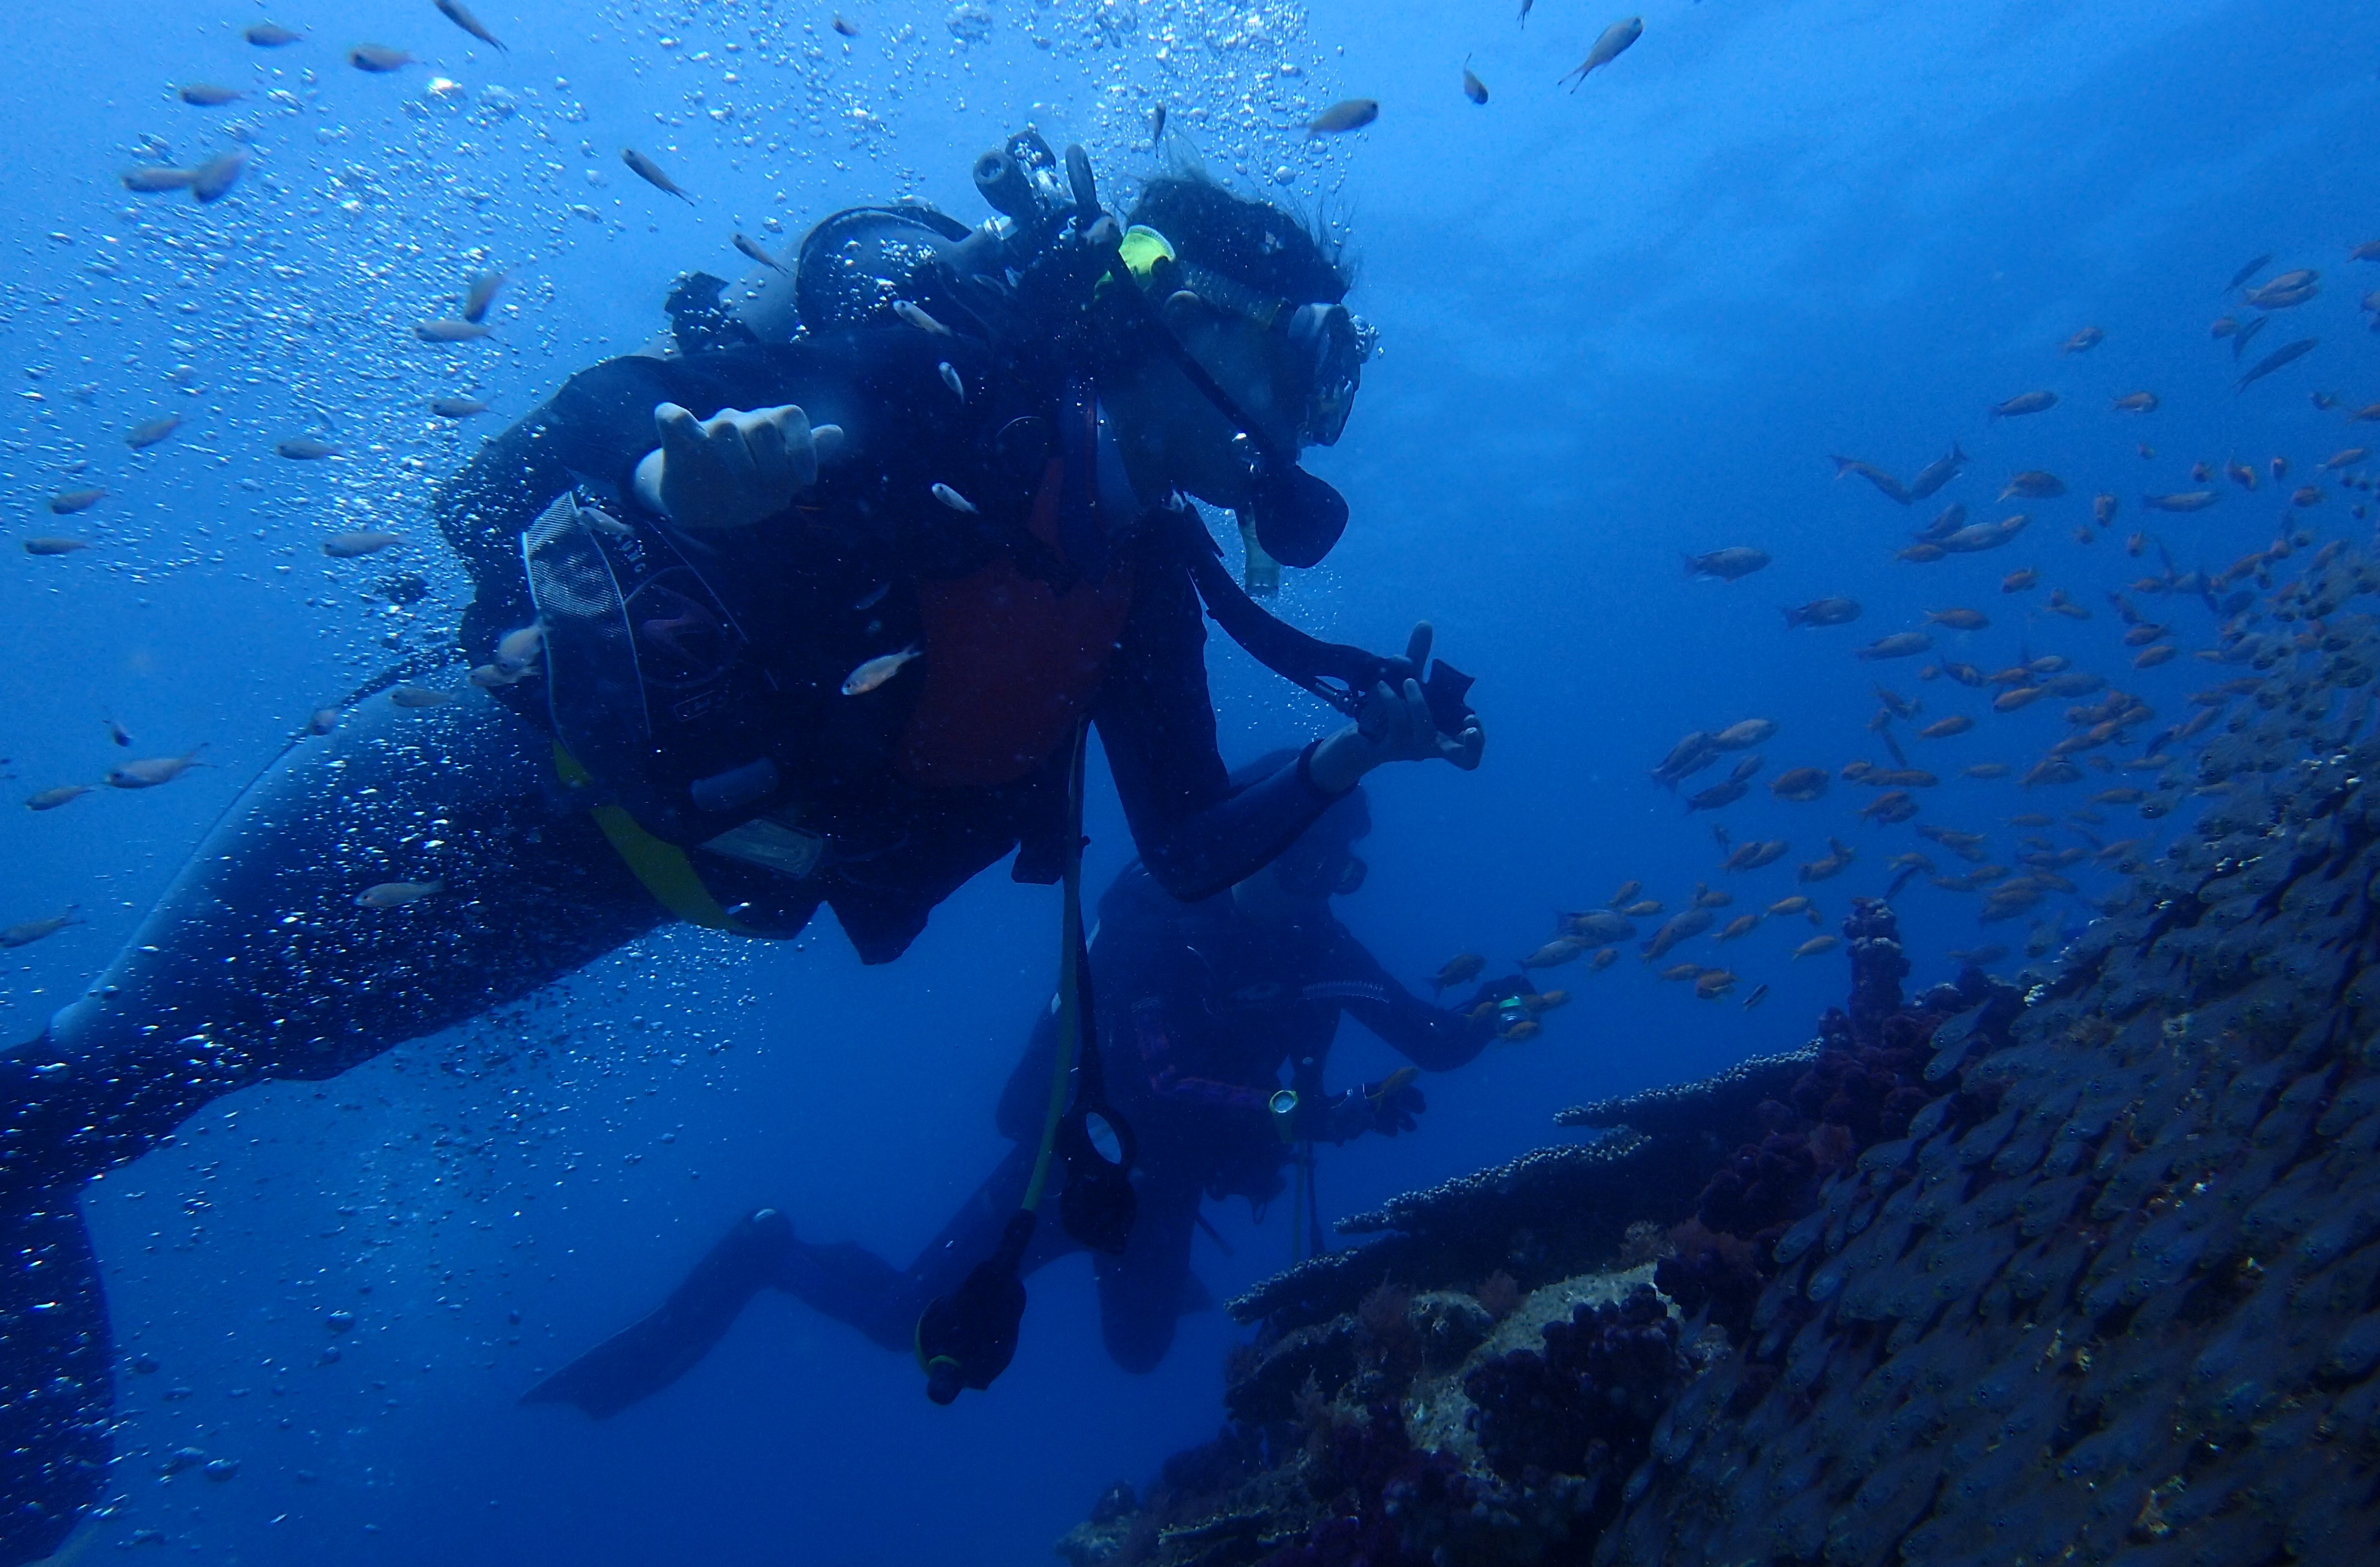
x=733 y=469
x=1394 y=726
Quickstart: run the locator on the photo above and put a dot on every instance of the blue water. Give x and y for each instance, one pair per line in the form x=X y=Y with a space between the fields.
x=1619 y=324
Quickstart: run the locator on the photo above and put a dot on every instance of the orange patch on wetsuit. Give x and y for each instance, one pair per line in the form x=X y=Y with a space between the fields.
x=1010 y=664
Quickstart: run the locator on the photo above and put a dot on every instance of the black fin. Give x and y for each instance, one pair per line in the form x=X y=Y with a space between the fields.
x=641 y=1360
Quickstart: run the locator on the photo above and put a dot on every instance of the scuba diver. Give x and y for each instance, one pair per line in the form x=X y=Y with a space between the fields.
x=810 y=603
x=1203 y=1006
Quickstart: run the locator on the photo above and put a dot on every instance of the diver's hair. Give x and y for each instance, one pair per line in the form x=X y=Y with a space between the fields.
x=1252 y=243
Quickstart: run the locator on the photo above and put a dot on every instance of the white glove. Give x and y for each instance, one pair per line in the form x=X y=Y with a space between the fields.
x=732 y=468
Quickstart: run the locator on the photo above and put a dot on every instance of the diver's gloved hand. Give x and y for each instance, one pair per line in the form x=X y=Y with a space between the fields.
x=1387 y=1107
x=1496 y=991
x=1393 y=726
x=733 y=469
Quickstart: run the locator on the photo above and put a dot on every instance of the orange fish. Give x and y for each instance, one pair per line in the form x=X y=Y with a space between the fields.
x=1959 y=619
x=1714 y=984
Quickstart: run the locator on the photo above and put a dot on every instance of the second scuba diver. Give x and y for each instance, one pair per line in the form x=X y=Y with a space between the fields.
x=1203 y=1007
x=776 y=624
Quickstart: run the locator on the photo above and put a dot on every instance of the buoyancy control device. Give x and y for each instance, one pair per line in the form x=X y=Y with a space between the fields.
x=1045 y=286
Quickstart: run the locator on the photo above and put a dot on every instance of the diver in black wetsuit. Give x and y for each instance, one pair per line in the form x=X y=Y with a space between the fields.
x=1202 y=1006
x=820 y=620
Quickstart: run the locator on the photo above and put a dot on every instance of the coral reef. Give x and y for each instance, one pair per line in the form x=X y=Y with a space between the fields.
x=1549 y=1214
x=1545 y=1215
x=1386 y=1418
x=2117 y=1298
x=2089 y=1273
x=1359 y=1440
x=1585 y=1405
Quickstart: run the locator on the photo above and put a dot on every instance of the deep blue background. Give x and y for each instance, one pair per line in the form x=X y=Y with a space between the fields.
x=1620 y=324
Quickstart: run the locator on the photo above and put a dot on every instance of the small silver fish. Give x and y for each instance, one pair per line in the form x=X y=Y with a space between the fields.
x=950 y=379
x=482 y=294
x=150 y=772
x=758 y=252
x=644 y=168
x=323 y=722
x=488 y=677
x=207 y=96
x=149 y=180
x=396 y=894
x=56 y=546
x=457 y=408
x=213 y=180
x=918 y=317
x=953 y=500
x=149 y=431
x=34 y=930
x=347 y=546
x=65 y=502
x=595 y=519
x=270 y=35
x=116 y=731
x=450 y=331
x=305 y=449
x=1352 y=114
x=453 y=11
x=379 y=58
x=520 y=649
x=51 y=799
x=419 y=696
x=1608 y=48
x=877 y=671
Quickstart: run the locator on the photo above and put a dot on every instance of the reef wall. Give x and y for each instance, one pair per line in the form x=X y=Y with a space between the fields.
x=2118 y=1298
x=2089 y=1273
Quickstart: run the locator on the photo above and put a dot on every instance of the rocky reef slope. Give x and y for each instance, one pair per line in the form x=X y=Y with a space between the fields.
x=2087 y=1273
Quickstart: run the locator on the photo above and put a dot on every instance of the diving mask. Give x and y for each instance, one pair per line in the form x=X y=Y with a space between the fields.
x=1322 y=346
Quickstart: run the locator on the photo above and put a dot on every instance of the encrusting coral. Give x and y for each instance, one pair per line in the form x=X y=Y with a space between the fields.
x=2088 y=1274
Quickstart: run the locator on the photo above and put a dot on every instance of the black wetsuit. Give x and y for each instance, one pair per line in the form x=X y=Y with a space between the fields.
x=259 y=964
x=1202 y=1015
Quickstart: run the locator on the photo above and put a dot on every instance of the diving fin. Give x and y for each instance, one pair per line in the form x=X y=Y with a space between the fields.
x=57 y=1377
x=641 y=1360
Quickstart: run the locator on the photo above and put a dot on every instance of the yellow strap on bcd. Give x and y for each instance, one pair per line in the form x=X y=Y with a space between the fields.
x=661 y=865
